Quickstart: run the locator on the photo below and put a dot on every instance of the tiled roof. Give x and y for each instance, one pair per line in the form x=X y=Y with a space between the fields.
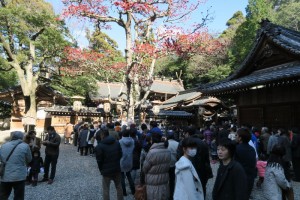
x=183 y=97
x=172 y=113
x=112 y=89
x=279 y=36
x=68 y=110
x=245 y=76
x=186 y=96
x=204 y=101
x=115 y=89
x=43 y=93
x=166 y=86
x=272 y=75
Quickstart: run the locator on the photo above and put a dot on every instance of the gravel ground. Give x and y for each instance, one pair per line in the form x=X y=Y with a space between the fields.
x=78 y=178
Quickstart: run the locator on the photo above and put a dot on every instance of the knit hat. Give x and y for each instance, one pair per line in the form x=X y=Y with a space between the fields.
x=17 y=135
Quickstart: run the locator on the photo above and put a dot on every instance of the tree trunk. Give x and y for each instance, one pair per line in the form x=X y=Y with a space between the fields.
x=129 y=80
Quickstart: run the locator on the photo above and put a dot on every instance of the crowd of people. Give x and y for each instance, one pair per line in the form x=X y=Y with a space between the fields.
x=174 y=163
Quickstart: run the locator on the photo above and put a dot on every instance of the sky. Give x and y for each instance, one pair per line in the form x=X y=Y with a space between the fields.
x=221 y=11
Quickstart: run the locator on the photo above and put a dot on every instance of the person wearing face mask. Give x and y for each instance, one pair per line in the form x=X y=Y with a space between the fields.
x=231 y=180
x=188 y=185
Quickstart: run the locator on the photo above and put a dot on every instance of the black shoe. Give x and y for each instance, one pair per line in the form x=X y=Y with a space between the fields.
x=50 y=181
x=34 y=184
x=44 y=179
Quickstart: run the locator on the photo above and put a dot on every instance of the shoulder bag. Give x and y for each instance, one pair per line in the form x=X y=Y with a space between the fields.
x=2 y=163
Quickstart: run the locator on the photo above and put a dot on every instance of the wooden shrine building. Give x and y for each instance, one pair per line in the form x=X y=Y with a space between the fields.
x=266 y=87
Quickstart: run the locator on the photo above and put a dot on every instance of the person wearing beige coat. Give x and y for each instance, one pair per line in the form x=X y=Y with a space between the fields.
x=156 y=169
x=69 y=128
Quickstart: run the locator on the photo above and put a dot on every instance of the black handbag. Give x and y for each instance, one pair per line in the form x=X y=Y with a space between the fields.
x=2 y=163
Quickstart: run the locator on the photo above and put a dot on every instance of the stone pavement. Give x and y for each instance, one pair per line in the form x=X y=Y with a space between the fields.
x=78 y=178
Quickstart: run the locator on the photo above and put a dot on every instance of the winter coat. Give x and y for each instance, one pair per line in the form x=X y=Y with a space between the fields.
x=273 y=140
x=156 y=168
x=108 y=156
x=16 y=166
x=127 y=146
x=264 y=140
x=200 y=161
x=274 y=182
x=136 y=154
x=188 y=185
x=68 y=130
x=173 y=145
x=208 y=136
x=36 y=164
x=52 y=147
x=82 y=138
x=246 y=156
x=296 y=146
x=230 y=184
x=285 y=142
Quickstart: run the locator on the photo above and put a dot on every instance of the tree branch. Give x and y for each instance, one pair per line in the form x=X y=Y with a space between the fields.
x=6 y=70
x=33 y=38
x=7 y=48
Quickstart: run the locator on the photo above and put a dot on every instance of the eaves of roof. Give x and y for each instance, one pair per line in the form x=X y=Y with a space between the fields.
x=289 y=72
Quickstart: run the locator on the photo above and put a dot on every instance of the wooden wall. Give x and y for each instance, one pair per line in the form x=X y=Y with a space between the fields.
x=272 y=107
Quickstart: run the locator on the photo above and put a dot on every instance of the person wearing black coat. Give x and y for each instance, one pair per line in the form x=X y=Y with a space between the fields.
x=35 y=166
x=296 y=153
x=246 y=156
x=231 y=181
x=108 y=156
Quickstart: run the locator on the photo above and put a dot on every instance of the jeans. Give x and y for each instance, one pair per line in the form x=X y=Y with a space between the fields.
x=6 y=188
x=131 y=183
x=106 y=185
x=49 y=159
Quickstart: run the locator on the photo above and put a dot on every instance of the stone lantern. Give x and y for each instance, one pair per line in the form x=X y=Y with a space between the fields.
x=106 y=107
x=77 y=105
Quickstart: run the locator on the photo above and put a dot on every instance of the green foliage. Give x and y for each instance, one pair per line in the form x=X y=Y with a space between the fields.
x=216 y=73
x=5 y=110
x=257 y=10
x=288 y=15
x=70 y=86
x=25 y=21
x=232 y=25
x=7 y=79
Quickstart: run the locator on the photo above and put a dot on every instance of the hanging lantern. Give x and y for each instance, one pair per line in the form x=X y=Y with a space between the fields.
x=106 y=107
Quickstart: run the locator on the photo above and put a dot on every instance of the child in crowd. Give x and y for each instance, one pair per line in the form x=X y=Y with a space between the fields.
x=261 y=168
x=213 y=150
x=34 y=167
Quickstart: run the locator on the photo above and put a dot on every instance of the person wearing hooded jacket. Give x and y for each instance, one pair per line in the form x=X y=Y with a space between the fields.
x=127 y=146
x=16 y=167
x=188 y=185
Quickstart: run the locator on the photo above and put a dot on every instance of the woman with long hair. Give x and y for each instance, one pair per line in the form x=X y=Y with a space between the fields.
x=275 y=180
